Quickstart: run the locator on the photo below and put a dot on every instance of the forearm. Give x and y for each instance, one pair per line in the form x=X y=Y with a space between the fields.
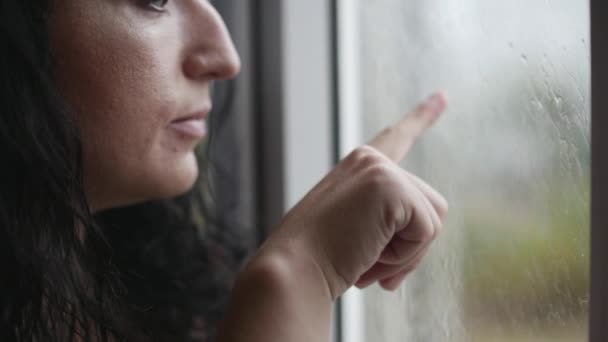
x=277 y=298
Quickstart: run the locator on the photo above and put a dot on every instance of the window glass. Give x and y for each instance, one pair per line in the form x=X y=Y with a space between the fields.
x=512 y=155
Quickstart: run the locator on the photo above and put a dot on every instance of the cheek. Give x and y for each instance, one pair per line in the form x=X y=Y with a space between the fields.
x=120 y=87
x=113 y=71
x=120 y=102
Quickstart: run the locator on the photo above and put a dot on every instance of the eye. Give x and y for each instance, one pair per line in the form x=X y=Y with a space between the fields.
x=157 y=5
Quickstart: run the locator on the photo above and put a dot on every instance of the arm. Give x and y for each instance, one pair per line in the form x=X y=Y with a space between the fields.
x=280 y=296
x=367 y=220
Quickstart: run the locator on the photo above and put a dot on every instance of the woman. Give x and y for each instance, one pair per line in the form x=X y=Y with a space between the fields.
x=104 y=103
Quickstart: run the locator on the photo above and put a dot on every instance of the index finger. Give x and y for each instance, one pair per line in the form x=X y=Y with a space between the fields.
x=396 y=140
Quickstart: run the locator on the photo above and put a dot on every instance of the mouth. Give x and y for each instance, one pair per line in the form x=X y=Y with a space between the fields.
x=193 y=126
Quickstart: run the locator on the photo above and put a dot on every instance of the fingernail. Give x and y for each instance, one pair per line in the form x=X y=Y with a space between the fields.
x=437 y=102
x=363 y=284
x=391 y=287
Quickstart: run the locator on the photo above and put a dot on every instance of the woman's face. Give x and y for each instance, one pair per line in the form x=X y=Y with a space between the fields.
x=137 y=75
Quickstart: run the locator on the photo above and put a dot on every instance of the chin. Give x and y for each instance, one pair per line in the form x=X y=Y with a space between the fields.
x=163 y=183
x=179 y=179
x=146 y=182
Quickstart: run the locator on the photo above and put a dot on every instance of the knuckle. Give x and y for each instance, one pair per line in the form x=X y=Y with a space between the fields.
x=379 y=177
x=384 y=187
x=438 y=229
x=387 y=131
x=429 y=233
x=357 y=154
x=363 y=156
x=367 y=149
x=421 y=108
x=442 y=208
x=394 y=215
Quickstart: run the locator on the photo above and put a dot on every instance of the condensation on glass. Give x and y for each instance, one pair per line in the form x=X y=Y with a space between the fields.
x=512 y=155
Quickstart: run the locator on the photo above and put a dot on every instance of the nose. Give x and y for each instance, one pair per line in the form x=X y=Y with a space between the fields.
x=212 y=55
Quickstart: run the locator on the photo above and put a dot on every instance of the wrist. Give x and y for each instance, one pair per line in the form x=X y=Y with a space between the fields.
x=278 y=296
x=289 y=268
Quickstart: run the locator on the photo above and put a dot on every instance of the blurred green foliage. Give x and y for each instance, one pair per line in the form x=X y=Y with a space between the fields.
x=530 y=266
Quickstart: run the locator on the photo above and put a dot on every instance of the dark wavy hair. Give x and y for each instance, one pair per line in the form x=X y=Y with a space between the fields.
x=155 y=271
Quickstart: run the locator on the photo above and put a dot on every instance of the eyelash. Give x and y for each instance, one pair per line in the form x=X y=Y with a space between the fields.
x=153 y=4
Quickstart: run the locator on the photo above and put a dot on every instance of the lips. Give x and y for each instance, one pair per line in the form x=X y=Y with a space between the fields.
x=192 y=126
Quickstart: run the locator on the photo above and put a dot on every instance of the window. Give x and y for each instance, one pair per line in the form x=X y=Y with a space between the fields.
x=512 y=155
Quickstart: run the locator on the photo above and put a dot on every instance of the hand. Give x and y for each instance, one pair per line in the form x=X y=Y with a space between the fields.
x=368 y=220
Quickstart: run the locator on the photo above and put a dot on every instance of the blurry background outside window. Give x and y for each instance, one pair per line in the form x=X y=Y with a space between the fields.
x=512 y=155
